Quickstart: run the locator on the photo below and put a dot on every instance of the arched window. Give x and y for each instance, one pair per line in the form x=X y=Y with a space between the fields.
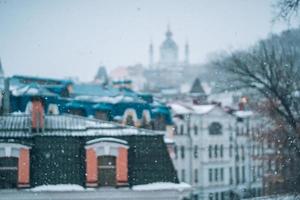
x=215 y=128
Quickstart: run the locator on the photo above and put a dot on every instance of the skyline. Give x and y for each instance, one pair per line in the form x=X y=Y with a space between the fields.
x=73 y=38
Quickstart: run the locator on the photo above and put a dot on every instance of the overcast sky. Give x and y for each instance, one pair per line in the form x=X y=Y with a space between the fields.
x=72 y=38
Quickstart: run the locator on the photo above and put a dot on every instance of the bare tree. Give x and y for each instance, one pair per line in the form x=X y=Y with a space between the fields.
x=272 y=70
x=287 y=9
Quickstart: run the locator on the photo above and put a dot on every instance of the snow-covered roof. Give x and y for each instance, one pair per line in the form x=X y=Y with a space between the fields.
x=179 y=108
x=32 y=89
x=66 y=125
x=203 y=109
x=243 y=113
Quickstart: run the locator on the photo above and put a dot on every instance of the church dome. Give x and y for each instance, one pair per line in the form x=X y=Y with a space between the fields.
x=169 y=43
x=168 y=50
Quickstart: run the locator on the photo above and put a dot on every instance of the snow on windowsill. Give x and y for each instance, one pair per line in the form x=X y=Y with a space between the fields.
x=162 y=186
x=57 y=188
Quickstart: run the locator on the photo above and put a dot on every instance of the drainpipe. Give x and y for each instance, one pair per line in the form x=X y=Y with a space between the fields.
x=6 y=97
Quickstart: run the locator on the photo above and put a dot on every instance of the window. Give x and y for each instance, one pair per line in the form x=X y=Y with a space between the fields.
x=230 y=150
x=8 y=172
x=222 y=174
x=216 y=174
x=196 y=175
x=160 y=122
x=182 y=175
x=243 y=174
x=230 y=176
x=195 y=130
x=221 y=151
x=211 y=196
x=237 y=156
x=210 y=175
x=181 y=129
x=182 y=151
x=210 y=151
x=222 y=195
x=216 y=196
x=175 y=152
x=237 y=175
x=216 y=151
x=196 y=151
x=215 y=128
x=243 y=152
x=107 y=170
x=129 y=120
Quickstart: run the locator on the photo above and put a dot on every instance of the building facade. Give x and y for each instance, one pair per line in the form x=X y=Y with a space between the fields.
x=215 y=152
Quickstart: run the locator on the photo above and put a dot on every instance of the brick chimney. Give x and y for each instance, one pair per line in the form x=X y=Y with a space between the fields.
x=37 y=115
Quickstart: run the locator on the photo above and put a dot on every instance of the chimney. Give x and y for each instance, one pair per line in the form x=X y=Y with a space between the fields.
x=37 y=115
x=6 y=97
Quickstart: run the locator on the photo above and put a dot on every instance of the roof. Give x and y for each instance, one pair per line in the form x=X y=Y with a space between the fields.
x=197 y=87
x=243 y=113
x=18 y=125
x=179 y=108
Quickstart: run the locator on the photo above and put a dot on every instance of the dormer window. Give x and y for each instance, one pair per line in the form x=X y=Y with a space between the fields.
x=106 y=162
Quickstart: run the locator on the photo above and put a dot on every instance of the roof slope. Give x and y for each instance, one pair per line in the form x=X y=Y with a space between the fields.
x=66 y=125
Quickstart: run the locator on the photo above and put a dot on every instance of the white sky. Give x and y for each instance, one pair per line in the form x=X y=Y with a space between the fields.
x=73 y=37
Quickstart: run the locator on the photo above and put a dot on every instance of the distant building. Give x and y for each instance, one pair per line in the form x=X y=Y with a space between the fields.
x=169 y=72
x=215 y=151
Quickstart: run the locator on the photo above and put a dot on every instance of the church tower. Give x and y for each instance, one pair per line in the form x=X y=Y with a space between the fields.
x=151 y=55
x=186 y=53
